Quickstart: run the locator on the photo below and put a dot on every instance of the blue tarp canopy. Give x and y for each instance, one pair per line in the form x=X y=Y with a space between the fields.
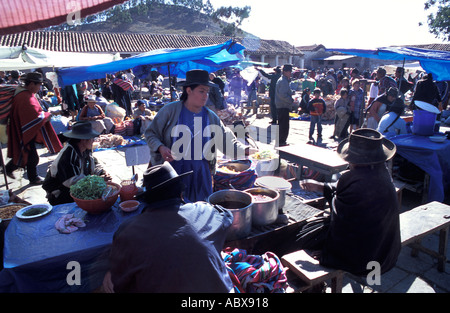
x=178 y=61
x=432 y=61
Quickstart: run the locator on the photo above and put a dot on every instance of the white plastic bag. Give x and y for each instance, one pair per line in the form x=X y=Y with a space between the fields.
x=115 y=112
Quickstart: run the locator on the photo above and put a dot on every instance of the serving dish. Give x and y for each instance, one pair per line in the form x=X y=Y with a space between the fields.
x=34 y=211
x=438 y=138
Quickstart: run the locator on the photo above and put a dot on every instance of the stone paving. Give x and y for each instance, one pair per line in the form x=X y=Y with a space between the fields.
x=411 y=274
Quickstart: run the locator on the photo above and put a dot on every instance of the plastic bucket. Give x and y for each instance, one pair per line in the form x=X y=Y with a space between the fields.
x=423 y=123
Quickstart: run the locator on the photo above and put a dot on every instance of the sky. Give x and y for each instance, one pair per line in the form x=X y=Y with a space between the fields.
x=359 y=24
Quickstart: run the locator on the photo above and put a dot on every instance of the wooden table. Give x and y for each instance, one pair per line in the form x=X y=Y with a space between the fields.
x=316 y=158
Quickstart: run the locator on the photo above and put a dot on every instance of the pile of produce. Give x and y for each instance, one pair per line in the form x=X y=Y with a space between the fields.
x=8 y=212
x=330 y=112
x=89 y=188
x=109 y=141
x=264 y=155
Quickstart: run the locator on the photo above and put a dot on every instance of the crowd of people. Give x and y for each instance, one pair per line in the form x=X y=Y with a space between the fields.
x=179 y=177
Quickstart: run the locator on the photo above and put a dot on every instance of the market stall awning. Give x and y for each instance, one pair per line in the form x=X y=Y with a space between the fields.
x=22 y=58
x=18 y=16
x=432 y=61
x=175 y=62
x=336 y=57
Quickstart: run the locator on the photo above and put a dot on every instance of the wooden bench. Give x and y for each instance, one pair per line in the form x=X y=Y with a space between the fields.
x=308 y=269
x=414 y=226
x=423 y=221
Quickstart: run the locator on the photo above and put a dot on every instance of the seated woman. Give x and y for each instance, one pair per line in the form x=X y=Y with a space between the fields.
x=74 y=162
x=93 y=113
x=142 y=117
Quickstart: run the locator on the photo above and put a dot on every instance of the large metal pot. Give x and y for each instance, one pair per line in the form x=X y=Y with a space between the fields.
x=239 y=203
x=264 y=212
x=279 y=184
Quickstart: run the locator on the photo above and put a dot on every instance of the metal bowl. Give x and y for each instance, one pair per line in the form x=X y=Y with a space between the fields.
x=264 y=212
x=239 y=203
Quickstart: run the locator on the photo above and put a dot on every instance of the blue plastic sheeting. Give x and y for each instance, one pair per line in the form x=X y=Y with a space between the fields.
x=210 y=58
x=432 y=61
x=36 y=254
x=431 y=157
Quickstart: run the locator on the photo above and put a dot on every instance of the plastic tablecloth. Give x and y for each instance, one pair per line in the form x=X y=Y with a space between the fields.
x=36 y=255
x=431 y=157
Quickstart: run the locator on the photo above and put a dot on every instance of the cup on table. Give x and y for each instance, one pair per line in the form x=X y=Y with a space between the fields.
x=128 y=190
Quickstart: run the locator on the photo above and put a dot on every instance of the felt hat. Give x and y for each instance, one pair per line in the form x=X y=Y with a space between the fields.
x=81 y=130
x=287 y=68
x=392 y=91
x=366 y=146
x=35 y=77
x=398 y=106
x=197 y=77
x=159 y=176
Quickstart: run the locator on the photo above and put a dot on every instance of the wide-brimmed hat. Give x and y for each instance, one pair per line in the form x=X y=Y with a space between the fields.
x=159 y=176
x=287 y=68
x=197 y=77
x=393 y=92
x=398 y=106
x=81 y=130
x=35 y=77
x=366 y=146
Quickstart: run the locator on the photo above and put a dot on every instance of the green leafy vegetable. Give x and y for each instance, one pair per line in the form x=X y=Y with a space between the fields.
x=89 y=188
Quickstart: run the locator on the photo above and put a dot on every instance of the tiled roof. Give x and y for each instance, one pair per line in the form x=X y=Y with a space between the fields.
x=134 y=43
x=433 y=46
x=310 y=48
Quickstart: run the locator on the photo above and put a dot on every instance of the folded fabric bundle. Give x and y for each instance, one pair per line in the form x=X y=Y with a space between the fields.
x=68 y=223
x=254 y=273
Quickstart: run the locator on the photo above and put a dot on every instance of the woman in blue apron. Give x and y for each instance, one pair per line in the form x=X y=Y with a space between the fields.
x=182 y=132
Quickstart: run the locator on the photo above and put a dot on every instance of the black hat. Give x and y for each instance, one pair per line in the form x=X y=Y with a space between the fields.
x=161 y=175
x=366 y=146
x=81 y=130
x=287 y=68
x=197 y=77
x=35 y=77
x=398 y=106
x=393 y=92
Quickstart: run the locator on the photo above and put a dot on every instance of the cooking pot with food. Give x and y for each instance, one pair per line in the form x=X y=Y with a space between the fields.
x=265 y=205
x=239 y=203
x=277 y=183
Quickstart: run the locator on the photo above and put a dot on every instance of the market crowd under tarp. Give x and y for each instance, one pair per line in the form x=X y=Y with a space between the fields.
x=432 y=61
x=170 y=62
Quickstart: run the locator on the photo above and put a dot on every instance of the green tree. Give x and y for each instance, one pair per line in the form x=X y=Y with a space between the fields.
x=439 y=21
x=234 y=16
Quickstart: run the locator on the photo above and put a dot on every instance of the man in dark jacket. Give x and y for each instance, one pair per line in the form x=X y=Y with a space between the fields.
x=272 y=87
x=364 y=225
x=171 y=247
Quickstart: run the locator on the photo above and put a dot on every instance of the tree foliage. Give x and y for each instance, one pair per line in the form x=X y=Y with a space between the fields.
x=234 y=16
x=124 y=13
x=439 y=22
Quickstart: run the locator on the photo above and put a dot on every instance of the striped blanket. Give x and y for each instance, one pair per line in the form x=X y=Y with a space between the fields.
x=240 y=181
x=125 y=85
x=6 y=96
x=254 y=273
